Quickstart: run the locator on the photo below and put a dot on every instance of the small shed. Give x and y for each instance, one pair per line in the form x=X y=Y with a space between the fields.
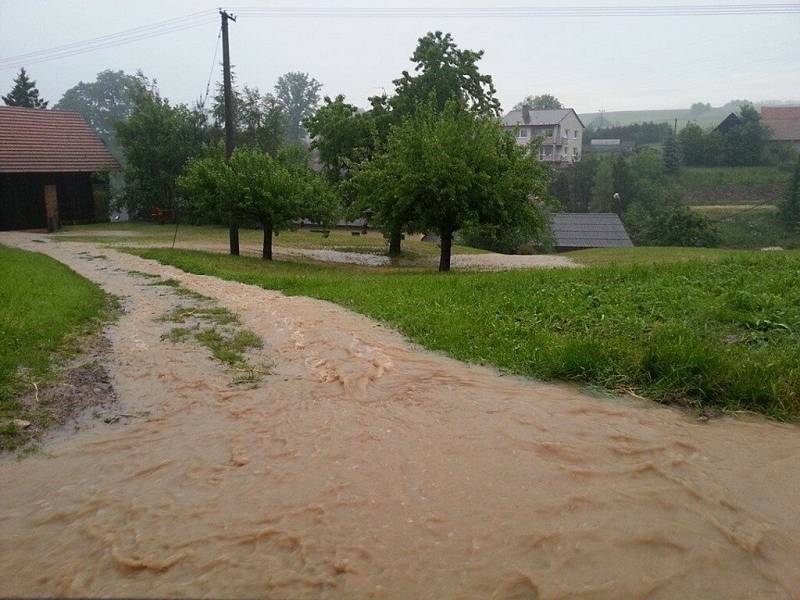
x=574 y=231
x=48 y=159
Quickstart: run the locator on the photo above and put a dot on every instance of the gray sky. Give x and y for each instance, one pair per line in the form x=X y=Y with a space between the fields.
x=615 y=63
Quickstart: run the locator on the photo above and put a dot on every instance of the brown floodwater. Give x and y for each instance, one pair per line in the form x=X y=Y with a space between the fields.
x=364 y=467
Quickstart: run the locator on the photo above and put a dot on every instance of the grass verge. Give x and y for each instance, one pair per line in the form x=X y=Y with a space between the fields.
x=44 y=308
x=721 y=333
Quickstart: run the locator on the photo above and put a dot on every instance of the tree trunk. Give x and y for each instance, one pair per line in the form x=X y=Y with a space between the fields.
x=394 y=242
x=447 y=247
x=233 y=237
x=266 y=251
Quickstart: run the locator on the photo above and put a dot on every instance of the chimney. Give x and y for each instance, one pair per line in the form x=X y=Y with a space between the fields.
x=526 y=114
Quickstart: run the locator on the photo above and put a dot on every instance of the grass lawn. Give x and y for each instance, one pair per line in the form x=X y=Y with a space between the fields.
x=721 y=333
x=647 y=255
x=44 y=307
x=339 y=239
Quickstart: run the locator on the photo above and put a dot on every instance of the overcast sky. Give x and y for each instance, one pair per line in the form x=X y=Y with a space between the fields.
x=614 y=63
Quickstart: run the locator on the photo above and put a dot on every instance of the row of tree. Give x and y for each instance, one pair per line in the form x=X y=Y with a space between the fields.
x=433 y=157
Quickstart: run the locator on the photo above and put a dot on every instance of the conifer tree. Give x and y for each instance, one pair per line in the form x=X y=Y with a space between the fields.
x=24 y=93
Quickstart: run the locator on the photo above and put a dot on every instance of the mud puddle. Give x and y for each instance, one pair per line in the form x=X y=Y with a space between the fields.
x=362 y=467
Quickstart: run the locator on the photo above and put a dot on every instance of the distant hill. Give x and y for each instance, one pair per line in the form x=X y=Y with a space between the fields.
x=709 y=118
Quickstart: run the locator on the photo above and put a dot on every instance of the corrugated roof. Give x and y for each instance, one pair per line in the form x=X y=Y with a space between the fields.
x=34 y=140
x=783 y=122
x=589 y=230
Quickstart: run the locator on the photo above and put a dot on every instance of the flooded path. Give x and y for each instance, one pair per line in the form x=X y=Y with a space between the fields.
x=363 y=467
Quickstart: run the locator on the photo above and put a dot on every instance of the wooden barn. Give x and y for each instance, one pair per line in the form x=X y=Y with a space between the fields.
x=49 y=161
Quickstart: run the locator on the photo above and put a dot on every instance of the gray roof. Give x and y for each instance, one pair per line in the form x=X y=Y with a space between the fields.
x=589 y=230
x=538 y=117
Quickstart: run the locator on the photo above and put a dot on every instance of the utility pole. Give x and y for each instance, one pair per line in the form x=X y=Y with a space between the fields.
x=233 y=232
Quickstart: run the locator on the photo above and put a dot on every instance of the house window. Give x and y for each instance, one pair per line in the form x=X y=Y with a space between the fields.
x=522 y=132
x=566 y=133
x=547 y=133
x=575 y=153
x=575 y=134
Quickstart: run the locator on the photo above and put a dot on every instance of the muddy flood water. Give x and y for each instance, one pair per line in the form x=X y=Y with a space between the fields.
x=363 y=467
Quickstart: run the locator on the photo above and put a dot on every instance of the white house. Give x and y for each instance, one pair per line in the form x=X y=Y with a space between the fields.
x=560 y=132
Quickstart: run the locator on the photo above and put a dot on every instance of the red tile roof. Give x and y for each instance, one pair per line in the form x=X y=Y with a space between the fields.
x=48 y=141
x=783 y=122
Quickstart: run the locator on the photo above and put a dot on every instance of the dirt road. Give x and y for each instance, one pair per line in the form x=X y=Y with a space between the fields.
x=363 y=467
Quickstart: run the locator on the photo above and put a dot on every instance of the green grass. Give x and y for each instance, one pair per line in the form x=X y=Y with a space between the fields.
x=150 y=234
x=645 y=255
x=757 y=227
x=721 y=333
x=44 y=308
x=701 y=186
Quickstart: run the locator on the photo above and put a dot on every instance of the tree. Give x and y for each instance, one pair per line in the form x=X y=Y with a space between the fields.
x=446 y=170
x=744 y=145
x=692 y=142
x=698 y=108
x=672 y=157
x=158 y=139
x=298 y=95
x=24 y=92
x=624 y=185
x=275 y=191
x=541 y=102
x=444 y=73
x=679 y=226
x=259 y=119
x=340 y=134
x=106 y=101
x=603 y=188
x=791 y=204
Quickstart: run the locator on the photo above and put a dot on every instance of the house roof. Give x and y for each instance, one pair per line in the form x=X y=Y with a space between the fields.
x=729 y=122
x=538 y=117
x=589 y=230
x=34 y=140
x=783 y=122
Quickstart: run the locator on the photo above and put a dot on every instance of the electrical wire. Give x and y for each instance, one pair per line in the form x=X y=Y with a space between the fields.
x=521 y=11
x=108 y=41
x=211 y=71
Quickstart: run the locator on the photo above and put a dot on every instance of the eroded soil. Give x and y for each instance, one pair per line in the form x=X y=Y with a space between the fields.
x=363 y=467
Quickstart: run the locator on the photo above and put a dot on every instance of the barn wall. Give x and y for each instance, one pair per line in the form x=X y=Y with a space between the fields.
x=22 y=199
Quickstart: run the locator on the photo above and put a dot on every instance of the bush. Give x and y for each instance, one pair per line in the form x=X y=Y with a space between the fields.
x=678 y=226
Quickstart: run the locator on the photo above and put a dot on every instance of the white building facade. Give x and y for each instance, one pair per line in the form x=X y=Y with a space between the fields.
x=559 y=131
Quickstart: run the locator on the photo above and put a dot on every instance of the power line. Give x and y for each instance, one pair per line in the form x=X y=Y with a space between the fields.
x=211 y=71
x=110 y=40
x=522 y=11
x=197 y=19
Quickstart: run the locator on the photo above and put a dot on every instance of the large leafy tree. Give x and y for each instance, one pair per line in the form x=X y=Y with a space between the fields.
x=341 y=135
x=259 y=118
x=692 y=142
x=443 y=72
x=24 y=92
x=158 y=139
x=445 y=170
x=275 y=191
x=106 y=101
x=541 y=102
x=298 y=94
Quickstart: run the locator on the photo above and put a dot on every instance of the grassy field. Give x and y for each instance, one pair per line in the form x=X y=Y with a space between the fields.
x=152 y=234
x=751 y=227
x=723 y=332
x=44 y=307
x=731 y=185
